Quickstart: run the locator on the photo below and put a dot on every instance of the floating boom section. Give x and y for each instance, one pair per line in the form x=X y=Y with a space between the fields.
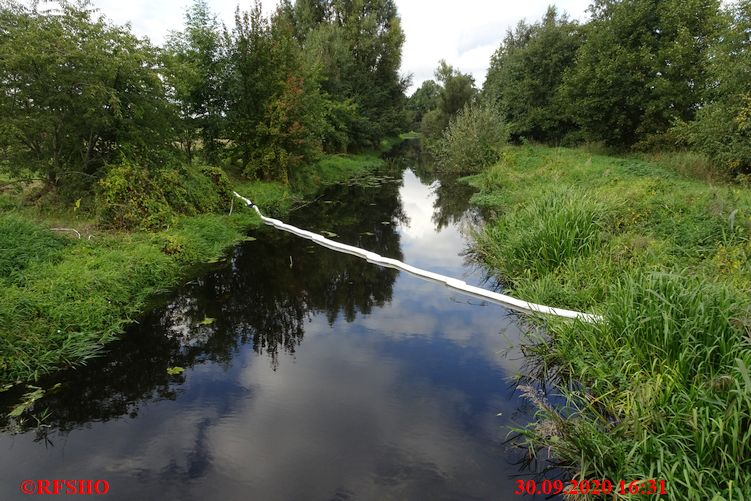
x=453 y=283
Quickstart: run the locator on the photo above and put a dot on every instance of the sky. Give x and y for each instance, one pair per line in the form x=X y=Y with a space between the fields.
x=465 y=33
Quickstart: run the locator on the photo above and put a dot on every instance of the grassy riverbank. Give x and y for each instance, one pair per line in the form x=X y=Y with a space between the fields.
x=62 y=298
x=661 y=388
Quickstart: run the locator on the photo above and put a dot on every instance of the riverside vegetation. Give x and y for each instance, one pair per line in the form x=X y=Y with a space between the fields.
x=118 y=158
x=648 y=225
x=137 y=148
x=660 y=388
x=64 y=297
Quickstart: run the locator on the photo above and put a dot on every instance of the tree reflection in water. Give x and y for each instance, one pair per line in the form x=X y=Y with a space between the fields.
x=260 y=298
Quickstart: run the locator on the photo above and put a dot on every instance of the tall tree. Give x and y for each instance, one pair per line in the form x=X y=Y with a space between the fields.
x=457 y=88
x=358 y=43
x=423 y=100
x=194 y=61
x=291 y=130
x=375 y=37
x=722 y=128
x=250 y=79
x=455 y=91
x=644 y=64
x=526 y=73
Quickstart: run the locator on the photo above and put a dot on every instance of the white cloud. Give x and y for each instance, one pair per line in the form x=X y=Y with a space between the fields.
x=465 y=33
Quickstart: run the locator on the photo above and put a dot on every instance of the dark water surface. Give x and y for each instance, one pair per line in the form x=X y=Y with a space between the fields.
x=308 y=374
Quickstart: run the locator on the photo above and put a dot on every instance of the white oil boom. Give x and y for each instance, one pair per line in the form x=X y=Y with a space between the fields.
x=372 y=257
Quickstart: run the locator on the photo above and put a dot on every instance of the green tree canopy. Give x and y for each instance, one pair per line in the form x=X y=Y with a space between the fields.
x=644 y=64
x=424 y=99
x=454 y=90
x=722 y=128
x=77 y=92
x=526 y=73
x=358 y=44
x=195 y=72
x=457 y=88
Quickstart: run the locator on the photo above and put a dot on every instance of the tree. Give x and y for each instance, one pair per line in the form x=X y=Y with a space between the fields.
x=722 y=128
x=194 y=61
x=77 y=93
x=293 y=124
x=526 y=73
x=358 y=45
x=455 y=90
x=375 y=37
x=424 y=99
x=250 y=78
x=643 y=66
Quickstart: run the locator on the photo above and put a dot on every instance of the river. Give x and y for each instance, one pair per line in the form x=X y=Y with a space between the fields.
x=306 y=374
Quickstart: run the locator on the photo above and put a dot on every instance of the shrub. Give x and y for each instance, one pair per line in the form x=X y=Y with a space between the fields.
x=472 y=139
x=130 y=196
x=722 y=132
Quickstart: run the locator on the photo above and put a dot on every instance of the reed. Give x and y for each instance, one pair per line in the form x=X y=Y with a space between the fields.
x=661 y=388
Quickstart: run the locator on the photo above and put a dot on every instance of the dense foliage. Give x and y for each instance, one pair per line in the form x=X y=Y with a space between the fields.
x=525 y=76
x=643 y=66
x=623 y=78
x=130 y=197
x=638 y=75
x=435 y=103
x=472 y=139
x=265 y=95
x=77 y=93
x=722 y=128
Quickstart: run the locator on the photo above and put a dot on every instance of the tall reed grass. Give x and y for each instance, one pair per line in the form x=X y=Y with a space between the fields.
x=661 y=388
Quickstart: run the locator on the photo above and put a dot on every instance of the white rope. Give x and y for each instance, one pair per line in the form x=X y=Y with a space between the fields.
x=372 y=257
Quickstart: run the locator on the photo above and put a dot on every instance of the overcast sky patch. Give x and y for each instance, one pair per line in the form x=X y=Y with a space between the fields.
x=464 y=33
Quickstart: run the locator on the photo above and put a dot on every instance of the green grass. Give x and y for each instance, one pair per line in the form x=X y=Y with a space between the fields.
x=23 y=242
x=65 y=310
x=63 y=298
x=660 y=389
x=409 y=135
x=271 y=196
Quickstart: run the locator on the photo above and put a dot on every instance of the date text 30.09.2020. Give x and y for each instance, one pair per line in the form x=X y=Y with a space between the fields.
x=592 y=486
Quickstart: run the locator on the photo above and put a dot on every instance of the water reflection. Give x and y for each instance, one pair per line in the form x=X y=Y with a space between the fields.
x=309 y=374
x=451 y=199
x=262 y=298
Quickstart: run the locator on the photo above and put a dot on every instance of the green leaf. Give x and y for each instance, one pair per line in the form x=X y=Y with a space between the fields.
x=19 y=409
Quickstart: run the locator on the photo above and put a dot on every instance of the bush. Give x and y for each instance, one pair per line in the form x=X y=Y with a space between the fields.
x=473 y=139
x=722 y=131
x=433 y=123
x=130 y=196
